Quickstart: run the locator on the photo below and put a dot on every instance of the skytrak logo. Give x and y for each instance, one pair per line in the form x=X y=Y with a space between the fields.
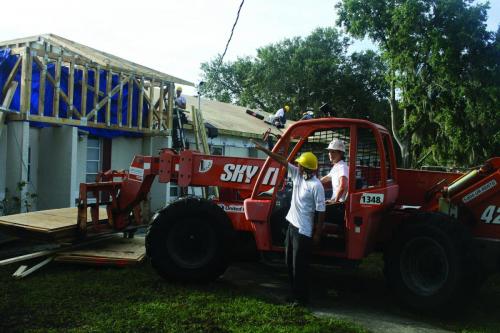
x=240 y=173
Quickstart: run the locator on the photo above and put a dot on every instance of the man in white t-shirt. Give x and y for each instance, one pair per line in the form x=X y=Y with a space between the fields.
x=305 y=219
x=279 y=119
x=338 y=176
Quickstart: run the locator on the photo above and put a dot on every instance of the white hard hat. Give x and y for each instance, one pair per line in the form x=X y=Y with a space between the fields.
x=336 y=144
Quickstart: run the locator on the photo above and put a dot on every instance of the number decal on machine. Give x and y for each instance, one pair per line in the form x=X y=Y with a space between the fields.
x=372 y=199
x=489 y=213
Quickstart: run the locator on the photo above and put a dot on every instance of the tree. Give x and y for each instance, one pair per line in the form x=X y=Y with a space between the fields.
x=303 y=72
x=441 y=66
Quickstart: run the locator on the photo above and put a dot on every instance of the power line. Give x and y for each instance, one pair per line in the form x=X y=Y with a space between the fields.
x=232 y=31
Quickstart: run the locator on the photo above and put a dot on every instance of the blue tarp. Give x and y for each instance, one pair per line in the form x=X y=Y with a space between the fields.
x=8 y=61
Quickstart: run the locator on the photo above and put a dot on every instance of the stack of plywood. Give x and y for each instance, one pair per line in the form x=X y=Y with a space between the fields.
x=54 y=224
x=117 y=251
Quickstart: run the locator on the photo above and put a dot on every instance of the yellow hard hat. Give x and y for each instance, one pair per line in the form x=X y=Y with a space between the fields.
x=287 y=108
x=179 y=88
x=308 y=160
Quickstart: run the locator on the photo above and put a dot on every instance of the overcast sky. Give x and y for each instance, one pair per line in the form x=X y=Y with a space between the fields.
x=174 y=37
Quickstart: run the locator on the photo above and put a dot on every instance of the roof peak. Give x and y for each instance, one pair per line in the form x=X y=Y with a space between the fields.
x=69 y=47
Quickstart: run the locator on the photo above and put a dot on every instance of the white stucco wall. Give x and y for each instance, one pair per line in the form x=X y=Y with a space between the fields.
x=59 y=155
x=34 y=146
x=123 y=151
x=159 y=194
x=17 y=158
x=57 y=170
x=81 y=158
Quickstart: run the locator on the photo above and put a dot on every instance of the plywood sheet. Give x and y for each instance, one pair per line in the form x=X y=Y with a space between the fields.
x=232 y=118
x=114 y=251
x=48 y=221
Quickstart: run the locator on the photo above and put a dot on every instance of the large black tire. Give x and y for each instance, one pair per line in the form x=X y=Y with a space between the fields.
x=431 y=264
x=190 y=240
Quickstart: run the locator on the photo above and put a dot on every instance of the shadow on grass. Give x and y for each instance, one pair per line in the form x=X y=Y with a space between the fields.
x=69 y=298
x=249 y=297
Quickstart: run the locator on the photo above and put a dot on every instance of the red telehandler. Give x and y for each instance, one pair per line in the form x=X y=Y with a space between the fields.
x=439 y=232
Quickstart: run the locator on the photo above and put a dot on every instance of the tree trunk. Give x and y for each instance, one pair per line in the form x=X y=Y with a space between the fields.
x=402 y=142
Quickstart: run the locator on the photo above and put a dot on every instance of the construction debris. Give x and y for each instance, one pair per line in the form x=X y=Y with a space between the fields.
x=53 y=225
x=117 y=251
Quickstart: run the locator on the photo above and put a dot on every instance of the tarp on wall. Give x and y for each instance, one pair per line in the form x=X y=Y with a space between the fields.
x=7 y=62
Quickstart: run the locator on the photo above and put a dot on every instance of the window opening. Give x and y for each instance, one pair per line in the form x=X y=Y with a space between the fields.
x=367 y=160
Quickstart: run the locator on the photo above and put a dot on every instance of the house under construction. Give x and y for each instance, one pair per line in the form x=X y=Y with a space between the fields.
x=68 y=111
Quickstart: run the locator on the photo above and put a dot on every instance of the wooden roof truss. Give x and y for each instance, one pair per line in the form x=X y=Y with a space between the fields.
x=45 y=50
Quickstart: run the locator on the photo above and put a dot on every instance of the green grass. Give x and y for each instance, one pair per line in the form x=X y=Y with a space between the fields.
x=62 y=298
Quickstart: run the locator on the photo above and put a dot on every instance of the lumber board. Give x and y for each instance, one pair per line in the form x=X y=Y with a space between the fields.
x=120 y=101
x=71 y=91
x=109 y=80
x=115 y=251
x=161 y=101
x=41 y=90
x=26 y=73
x=151 y=105
x=130 y=102
x=97 y=77
x=83 y=107
x=57 y=88
x=74 y=122
x=47 y=221
x=141 y=101
x=170 y=112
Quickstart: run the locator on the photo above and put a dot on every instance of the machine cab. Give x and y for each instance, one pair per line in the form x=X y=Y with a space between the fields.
x=372 y=185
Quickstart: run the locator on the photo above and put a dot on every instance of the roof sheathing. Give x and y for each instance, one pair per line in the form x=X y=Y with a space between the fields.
x=232 y=119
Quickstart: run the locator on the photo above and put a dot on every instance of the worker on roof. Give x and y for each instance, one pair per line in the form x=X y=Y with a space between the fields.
x=180 y=101
x=307 y=115
x=338 y=176
x=279 y=119
x=305 y=217
x=179 y=119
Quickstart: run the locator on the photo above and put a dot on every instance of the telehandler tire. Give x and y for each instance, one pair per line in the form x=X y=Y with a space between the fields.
x=190 y=240
x=431 y=264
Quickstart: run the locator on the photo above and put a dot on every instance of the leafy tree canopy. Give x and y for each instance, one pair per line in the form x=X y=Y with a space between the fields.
x=443 y=69
x=303 y=73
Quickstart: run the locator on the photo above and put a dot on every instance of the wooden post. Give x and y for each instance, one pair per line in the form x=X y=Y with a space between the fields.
x=130 y=101
x=141 y=102
x=26 y=72
x=160 y=105
x=71 y=89
x=83 y=108
x=194 y=121
x=120 y=101
x=57 y=88
x=97 y=78
x=41 y=87
x=171 y=93
x=151 y=104
x=109 y=79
